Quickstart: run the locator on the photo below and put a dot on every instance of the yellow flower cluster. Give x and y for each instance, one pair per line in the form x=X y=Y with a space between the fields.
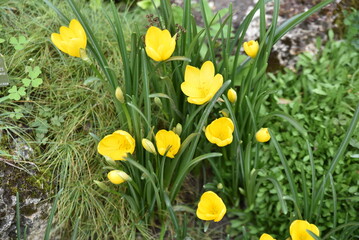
x=298 y=231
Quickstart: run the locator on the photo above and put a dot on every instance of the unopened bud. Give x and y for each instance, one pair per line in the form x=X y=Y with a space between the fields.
x=83 y=55
x=118 y=177
x=224 y=112
x=102 y=185
x=178 y=129
x=220 y=186
x=148 y=146
x=263 y=135
x=232 y=95
x=119 y=95
x=158 y=102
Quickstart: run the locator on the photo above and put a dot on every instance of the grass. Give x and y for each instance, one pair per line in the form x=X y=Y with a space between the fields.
x=60 y=115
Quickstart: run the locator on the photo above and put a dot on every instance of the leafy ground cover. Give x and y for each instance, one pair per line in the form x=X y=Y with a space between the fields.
x=59 y=106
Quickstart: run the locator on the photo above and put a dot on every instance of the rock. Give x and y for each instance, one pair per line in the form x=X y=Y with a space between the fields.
x=301 y=39
x=33 y=208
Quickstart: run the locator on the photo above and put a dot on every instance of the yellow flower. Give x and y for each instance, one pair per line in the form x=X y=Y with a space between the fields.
x=167 y=141
x=159 y=44
x=220 y=131
x=263 y=135
x=211 y=207
x=251 y=48
x=71 y=39
x=200 y=85
x=232 y=95
x=298 y=230
x=117 y=145
x=148 y=146
x=118 y=177
x=266 y=237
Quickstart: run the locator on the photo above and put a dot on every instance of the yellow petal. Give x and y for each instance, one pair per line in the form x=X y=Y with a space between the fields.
x=266 y=237
x=168 y=49
x=152 y=37
x=192 y=75
x=190 y=90
x=79 y=32
x=58 y=42
x=207 y=72
x=153 y=54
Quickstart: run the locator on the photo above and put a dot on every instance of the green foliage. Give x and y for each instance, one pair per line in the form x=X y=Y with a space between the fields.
x=322 y=95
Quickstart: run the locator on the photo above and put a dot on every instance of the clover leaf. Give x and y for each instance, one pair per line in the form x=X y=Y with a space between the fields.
x=16 y=94
x=18 y=43
x=33 y=74
x=16 y=114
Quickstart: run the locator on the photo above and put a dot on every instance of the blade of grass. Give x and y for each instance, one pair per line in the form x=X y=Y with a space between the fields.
x=51 y=216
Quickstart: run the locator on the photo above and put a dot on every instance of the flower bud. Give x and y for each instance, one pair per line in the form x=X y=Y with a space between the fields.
x=224 y=112
x=178 y=129
x=118 y=177
x=263 y=135
x=251 y=48
x=158 y=102
x=232 y=95
x=220 y=186
x=119 y=95
x=148 y=146
x=84 y=56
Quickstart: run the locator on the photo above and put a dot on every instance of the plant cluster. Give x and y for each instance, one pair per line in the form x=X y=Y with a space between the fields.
x=188 y=97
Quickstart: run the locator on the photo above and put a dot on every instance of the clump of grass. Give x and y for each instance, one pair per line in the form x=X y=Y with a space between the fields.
x=69 y=105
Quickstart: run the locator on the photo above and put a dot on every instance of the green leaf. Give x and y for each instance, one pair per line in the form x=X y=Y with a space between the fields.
x=57 y=121
x=36 y=82
x=319 y=91
x=26 y=82
x=13 y=41
x=2 y=40
x=22 y=40
x=22 y=91
x=15 y=94
x=33 y=72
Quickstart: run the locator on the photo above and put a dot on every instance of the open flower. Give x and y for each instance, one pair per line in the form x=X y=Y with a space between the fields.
x=117 y=145
x=220 y=131
x=118 y=177
x=200 y=85
x=71 y=39
x=159 y=44
x=266 y=237
x=263 y=135
x=298 y=230
x=251 y=48
x=167 y=141
x=211 y=207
